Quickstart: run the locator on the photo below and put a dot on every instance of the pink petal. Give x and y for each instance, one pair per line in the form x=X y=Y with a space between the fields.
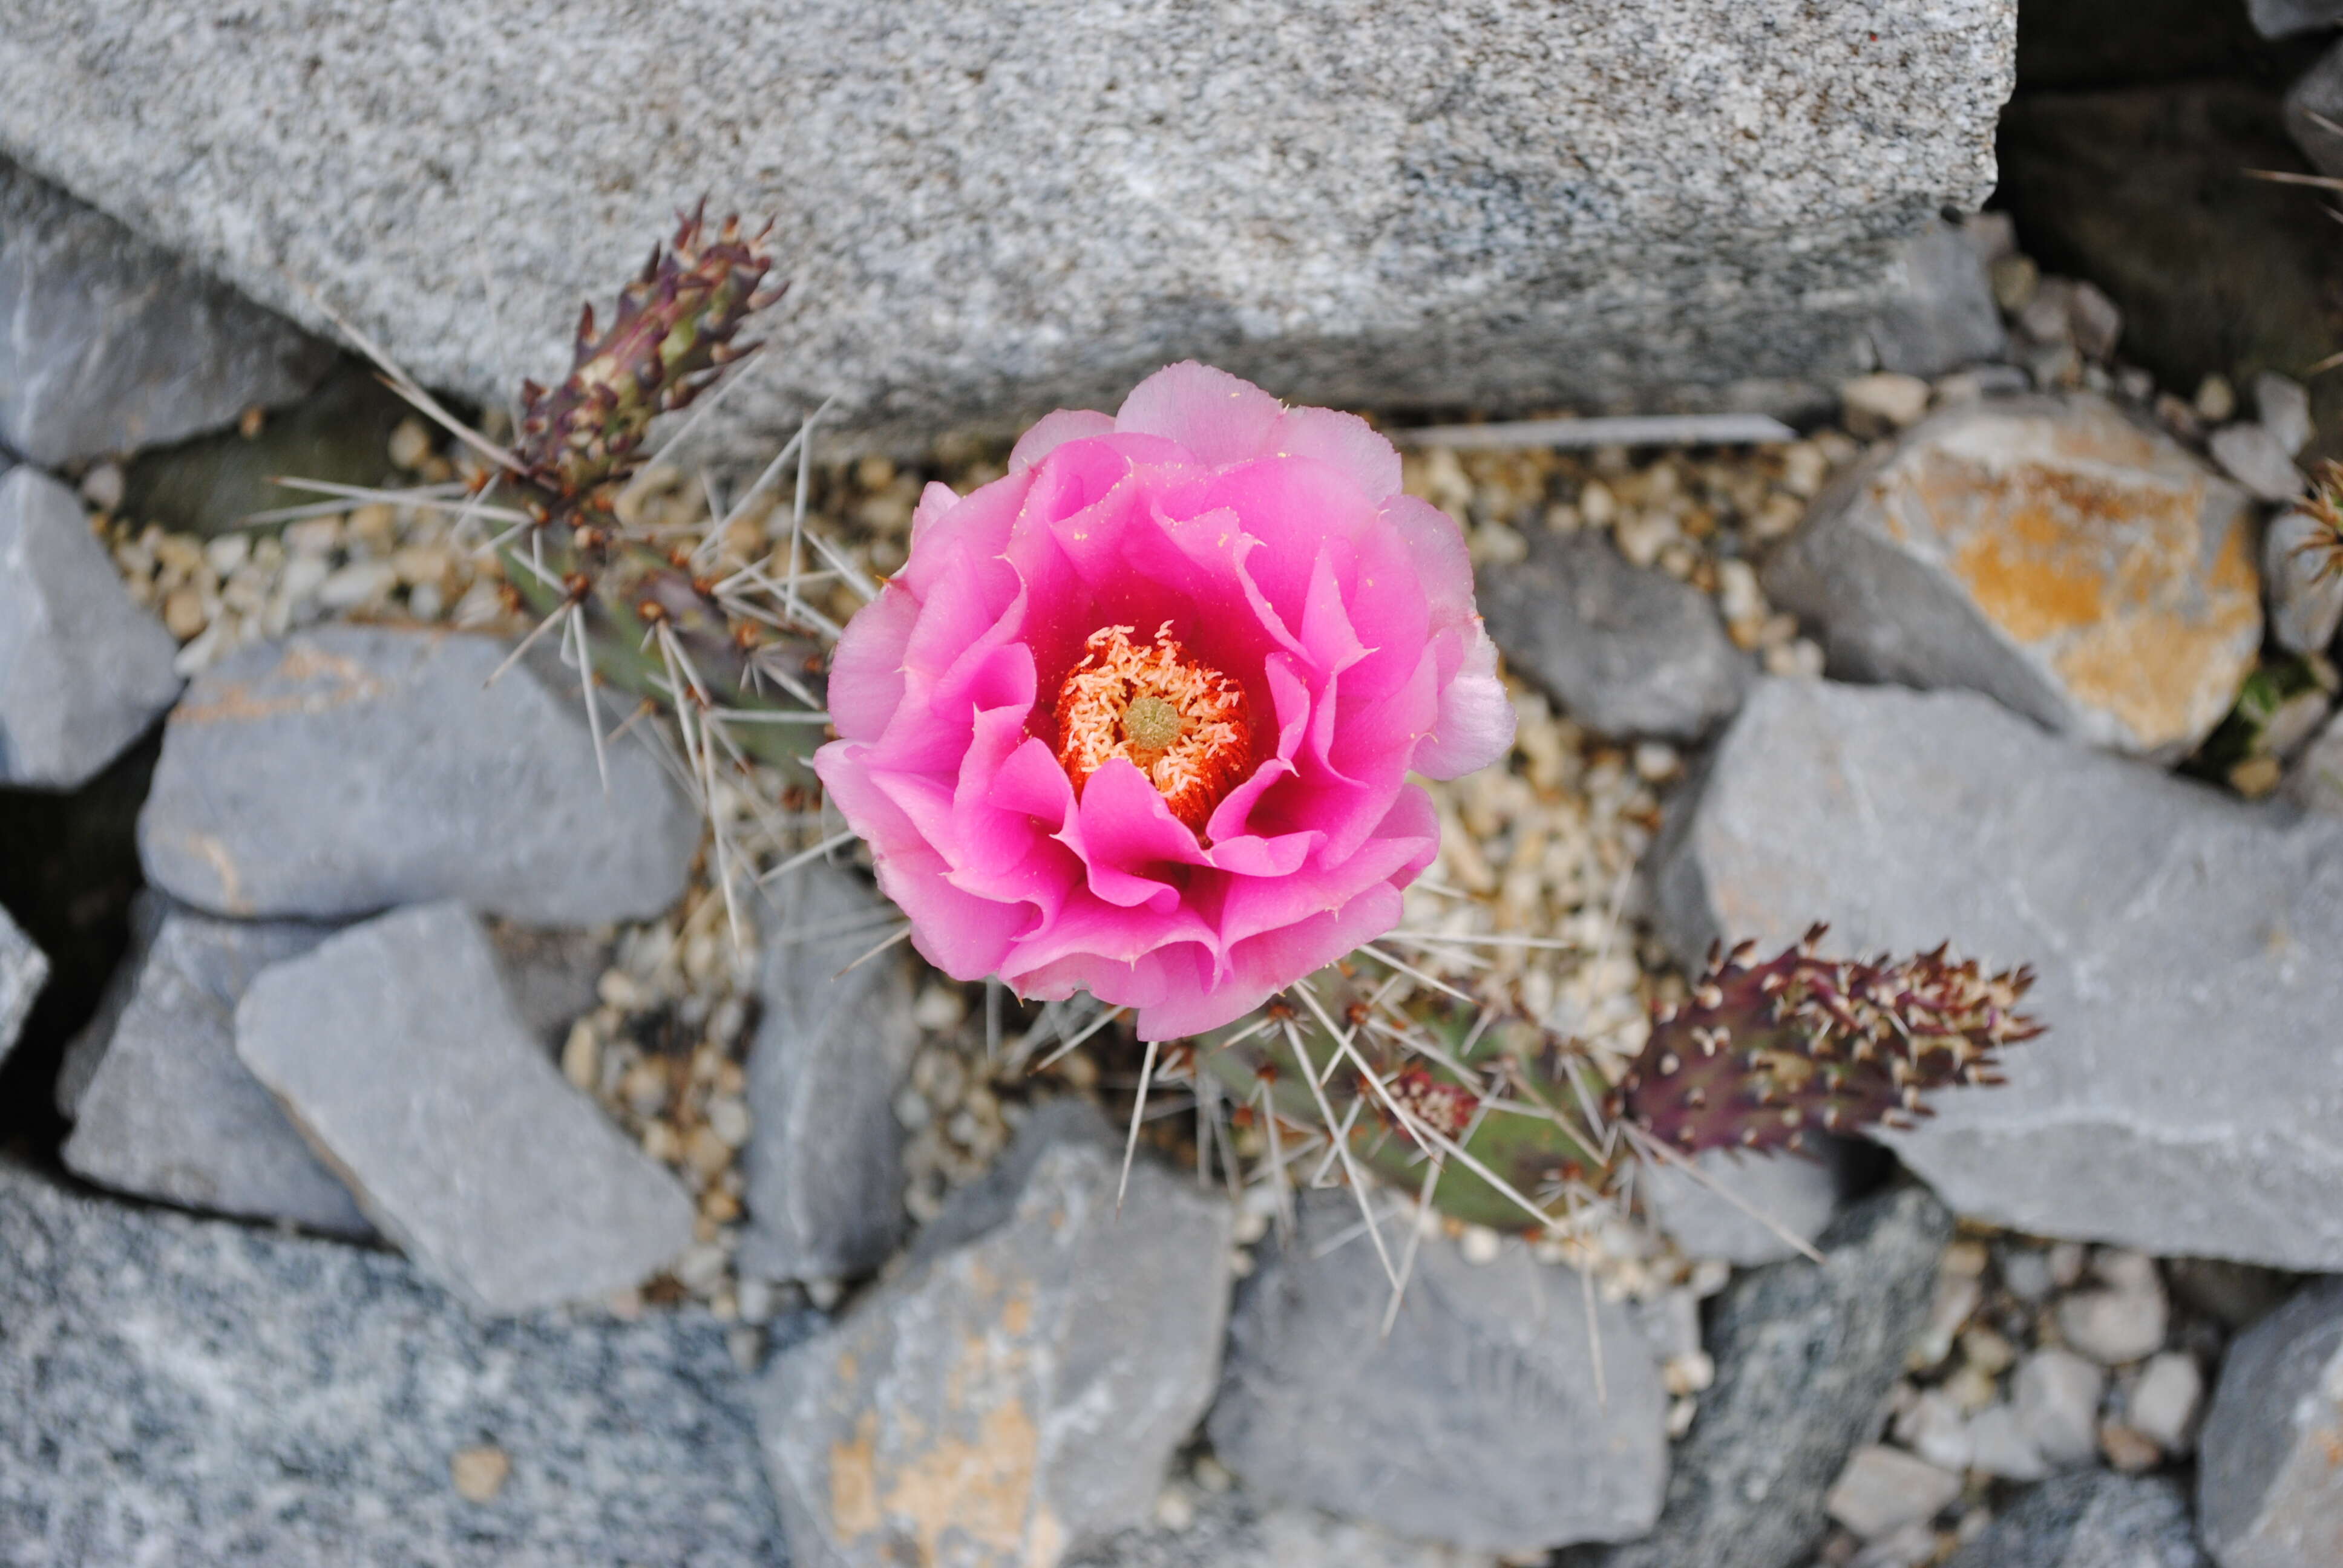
x=1345 y=441
x=1052 y=431
x=1218 y=417
x=866 y=673
x=1475 y=726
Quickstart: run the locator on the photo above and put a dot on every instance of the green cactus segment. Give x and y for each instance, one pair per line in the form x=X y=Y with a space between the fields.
x=630 y=595
x=1764 y=1056
x=1502 y=1133
x=672 y=333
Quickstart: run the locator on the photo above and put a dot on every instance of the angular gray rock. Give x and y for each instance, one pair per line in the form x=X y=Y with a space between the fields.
x=1462 y=208
x=1018 y=1388
x=351 y=769
x=2091 y=1519
x=182 y=1391
x=165 y=1109
x=1716 y=1219
x=2318 y=96
x=2305 y=597
x=2282 y=405
x=83 y=670
x=824 y=1162
x=1476 y=1420
x=2030 y=549
x=1943 y=315
x=2269 y=1489
x=2188 y=1096
x=1233 y=1530
x=1805 y=1353
x=2257 y=460
x=108 y=343
x=1626 y=650
x=395 y=1049
x=24 y=970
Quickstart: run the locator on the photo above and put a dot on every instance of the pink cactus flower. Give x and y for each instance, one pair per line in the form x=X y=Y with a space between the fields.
x=1137 y=718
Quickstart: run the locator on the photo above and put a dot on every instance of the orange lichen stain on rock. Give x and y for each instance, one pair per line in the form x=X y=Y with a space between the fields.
x=979 y=1489
x=854 y=1480
x=965 y=1493
x=2108 y=580
x=306 y=680
x=230 y=899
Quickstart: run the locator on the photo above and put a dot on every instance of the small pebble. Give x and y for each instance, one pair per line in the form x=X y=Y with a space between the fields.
x=2165 y=1401
x=1881 y=404
x=1479 y=1245
x=410 y=443
x=2216 y=401
x=103 y=486
x=479 y=1473
x=2126 y=1450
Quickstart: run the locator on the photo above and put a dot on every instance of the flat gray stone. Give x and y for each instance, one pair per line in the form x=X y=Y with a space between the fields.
x=24 y=970
x=1234 y=1530
x=1943 y=315
x=352 y=769
x=1456 y=209
x=2091 y=1519
x=1626 y=650
x=2306 y=599
x=2318 y=94
x=2257 y=460
x=1805 y=1353
x=1884 y=1489
x=194 y=1392
x=108 y=343
x=2188 y=1097
x=1741 y=1211
x=2269 y=1493
x=825 y=1159
x=395 y=1049
x=1012 y=1393
x=2282 y=18
x=167 y=1111
x=1475 y=1421
x=2031 y=548
x=83 y=670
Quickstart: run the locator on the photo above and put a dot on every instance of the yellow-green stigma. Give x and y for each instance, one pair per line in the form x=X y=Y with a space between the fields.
x=1151 y=724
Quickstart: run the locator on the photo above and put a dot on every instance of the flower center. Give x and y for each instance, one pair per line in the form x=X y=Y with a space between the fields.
x=1182 y=723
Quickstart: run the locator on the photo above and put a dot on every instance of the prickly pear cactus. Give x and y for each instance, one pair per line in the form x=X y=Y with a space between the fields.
x=658 y=617
x=1497 y=1122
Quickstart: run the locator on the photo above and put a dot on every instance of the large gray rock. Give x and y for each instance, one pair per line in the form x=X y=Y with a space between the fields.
x=1943 y=315
x=1480 y=1419
x=187 y=1392
x=2269 y=1477
x=2083 y=569
x=1019 y=206
x=2092 y=1519
x=24 y=970
x=1626 y=650
x=825 y=1159
x=1749 y=1207
x=108 y=343
x=1232 y=1530
x=165 y=1108
x=83 y=670
x=1805 y=1353
x=350 y=768
x=395 y=1049
x=1018 y=1388
x=2188 y=1097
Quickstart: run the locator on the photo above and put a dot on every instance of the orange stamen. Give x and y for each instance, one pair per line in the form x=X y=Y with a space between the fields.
x=1183 y=724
